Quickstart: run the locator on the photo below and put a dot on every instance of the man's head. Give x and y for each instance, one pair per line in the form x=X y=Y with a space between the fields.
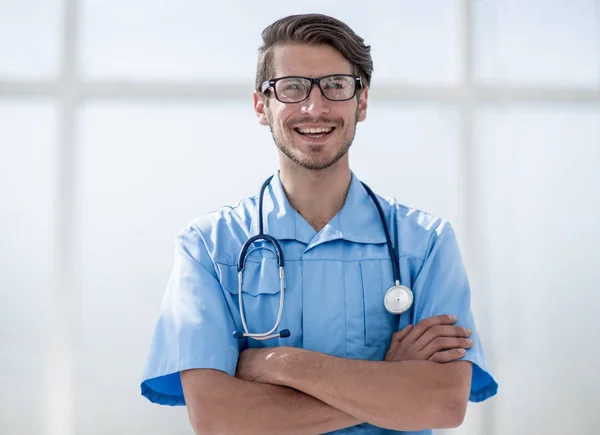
x=313 y=131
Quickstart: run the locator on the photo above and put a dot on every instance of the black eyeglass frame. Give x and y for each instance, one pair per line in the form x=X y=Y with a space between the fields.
x=313 y=81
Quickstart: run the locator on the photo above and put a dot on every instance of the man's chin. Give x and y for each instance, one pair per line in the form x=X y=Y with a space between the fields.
x=315 y=157
x=315 y=163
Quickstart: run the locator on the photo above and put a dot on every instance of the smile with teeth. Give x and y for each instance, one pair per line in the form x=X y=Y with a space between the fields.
x=315 y=132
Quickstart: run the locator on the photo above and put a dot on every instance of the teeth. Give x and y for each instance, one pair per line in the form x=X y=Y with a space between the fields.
x=314 y=130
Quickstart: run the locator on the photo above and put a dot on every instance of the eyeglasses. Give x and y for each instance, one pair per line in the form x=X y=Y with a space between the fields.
x=294 y=89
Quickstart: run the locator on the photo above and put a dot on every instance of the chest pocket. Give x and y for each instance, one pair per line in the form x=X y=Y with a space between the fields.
x=261 y=293
x=377 y=277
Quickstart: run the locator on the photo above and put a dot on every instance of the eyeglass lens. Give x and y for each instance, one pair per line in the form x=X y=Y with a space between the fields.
x=295 y=89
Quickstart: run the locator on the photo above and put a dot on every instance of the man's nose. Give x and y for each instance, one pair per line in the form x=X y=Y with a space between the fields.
x=316 y=103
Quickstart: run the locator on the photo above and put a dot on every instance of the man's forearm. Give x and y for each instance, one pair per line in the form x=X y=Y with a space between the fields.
x=219 y=403
x=407 y=395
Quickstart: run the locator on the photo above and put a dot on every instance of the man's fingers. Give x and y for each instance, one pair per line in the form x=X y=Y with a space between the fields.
x=441 y=331
x=445 y=343
x=448 y=355
x=425 y=324
x=397 y=337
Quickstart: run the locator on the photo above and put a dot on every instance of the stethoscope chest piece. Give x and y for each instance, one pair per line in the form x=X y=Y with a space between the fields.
x=398 y=299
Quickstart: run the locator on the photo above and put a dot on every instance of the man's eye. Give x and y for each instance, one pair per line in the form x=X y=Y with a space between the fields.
x=335 y=85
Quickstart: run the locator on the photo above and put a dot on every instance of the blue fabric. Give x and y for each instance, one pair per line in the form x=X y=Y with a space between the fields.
x=335 y=283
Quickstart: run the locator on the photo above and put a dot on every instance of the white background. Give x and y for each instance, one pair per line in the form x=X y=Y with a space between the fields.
x=120 y=121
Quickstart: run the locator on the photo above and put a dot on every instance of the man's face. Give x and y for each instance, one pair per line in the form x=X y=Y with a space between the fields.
x=291 y=123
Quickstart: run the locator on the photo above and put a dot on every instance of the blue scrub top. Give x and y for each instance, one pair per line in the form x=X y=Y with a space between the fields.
x=335 y=283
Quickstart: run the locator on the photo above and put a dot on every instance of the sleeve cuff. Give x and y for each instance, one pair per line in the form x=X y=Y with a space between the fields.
x=483 y=385
x=162 y=385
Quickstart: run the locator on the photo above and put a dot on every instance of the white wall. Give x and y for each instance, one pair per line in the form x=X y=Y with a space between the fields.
x=494 y=125
x=540 y=208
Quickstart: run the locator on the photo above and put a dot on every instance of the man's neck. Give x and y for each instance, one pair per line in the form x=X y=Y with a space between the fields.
x=317 y=195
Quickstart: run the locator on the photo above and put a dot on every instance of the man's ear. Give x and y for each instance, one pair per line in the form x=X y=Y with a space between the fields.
x=260 y=108
x=362 y=105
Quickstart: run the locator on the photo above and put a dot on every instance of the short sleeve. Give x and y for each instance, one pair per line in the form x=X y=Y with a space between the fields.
x=194 y=327
x=442 y=287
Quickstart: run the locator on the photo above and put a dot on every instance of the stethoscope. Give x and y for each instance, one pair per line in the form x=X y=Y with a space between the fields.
x=397 y=300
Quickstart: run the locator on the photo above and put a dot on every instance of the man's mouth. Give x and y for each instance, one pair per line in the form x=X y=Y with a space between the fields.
x=315 y=133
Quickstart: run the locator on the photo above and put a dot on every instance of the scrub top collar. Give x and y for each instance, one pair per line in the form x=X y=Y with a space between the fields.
x=358 y=220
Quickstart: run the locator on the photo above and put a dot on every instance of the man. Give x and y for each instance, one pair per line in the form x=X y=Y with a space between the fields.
x=348 y=365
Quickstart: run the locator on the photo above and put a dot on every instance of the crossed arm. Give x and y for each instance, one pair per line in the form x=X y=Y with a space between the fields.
x=287 y=390
x=220 y=404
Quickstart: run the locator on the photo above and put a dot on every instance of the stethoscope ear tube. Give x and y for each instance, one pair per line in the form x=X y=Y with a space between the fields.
x=284 y=333
x=270 y=334
x=258 y=237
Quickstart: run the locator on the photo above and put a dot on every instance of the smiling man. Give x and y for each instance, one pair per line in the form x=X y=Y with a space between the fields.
x=379 y=336
x=318 y=141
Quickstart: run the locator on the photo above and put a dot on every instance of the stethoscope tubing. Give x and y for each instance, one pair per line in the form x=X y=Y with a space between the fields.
x=400 y=291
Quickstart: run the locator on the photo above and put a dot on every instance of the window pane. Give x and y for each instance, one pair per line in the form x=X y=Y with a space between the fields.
x=27 y=192
x=411 y=152
x=30 y=38
x=542 y=42
x=145 y=170
x=413 y=42
x=191 y=40
x=539 y=184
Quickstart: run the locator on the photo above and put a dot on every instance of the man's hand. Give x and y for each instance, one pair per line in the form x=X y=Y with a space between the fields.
x=435 y=339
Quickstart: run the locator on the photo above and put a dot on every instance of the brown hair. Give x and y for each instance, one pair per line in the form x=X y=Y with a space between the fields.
x=314 y=29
